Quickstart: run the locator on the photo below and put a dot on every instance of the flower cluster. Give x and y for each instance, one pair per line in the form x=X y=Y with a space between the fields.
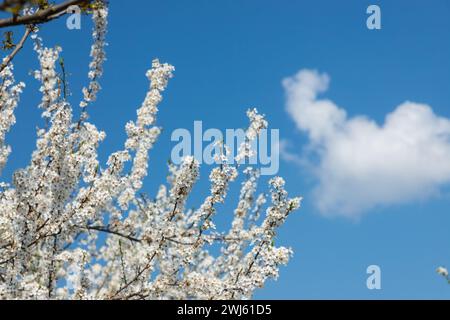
x=443 y=272
x=9 y=98
x=47 y=75
x=98 y=55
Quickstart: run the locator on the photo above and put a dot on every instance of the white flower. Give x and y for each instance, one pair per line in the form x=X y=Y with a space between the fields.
x=442 y=271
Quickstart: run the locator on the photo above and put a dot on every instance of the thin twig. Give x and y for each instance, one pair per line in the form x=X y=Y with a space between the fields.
x=19 y=46
x=42 y=15
x=108 y=230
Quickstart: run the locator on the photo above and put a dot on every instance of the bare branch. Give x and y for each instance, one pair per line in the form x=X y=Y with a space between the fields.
x=108 y=230
x=42 y=15
x=18 y=47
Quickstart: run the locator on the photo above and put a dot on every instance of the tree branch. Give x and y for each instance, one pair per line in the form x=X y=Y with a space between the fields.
x=19 y=46
x=107 y=230
x=42 y=15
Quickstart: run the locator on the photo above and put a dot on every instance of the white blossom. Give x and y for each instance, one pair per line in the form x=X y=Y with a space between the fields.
x=9 y=98
x=98 y=55
x=442 y=271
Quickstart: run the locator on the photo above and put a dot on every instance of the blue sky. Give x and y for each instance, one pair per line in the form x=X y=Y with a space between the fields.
x=232 y=55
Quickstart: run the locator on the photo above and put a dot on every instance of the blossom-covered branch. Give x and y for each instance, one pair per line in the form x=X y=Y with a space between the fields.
x=72 y=227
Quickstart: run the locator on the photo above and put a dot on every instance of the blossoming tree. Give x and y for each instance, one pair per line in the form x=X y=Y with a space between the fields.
x=74 y=228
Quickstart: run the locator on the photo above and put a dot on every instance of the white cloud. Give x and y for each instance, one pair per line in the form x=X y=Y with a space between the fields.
x=361 y=164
